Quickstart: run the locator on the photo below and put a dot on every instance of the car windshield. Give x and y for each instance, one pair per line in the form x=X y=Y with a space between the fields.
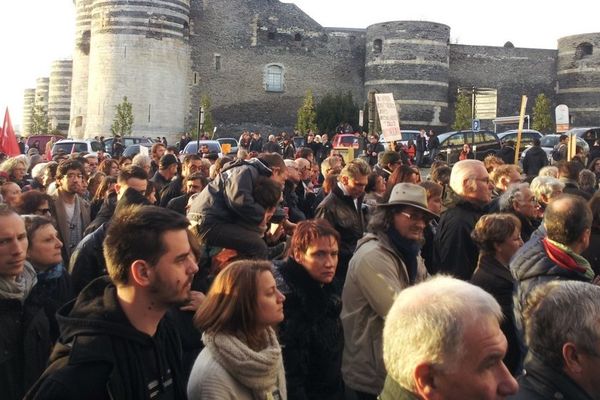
x=63 y=147
x=192 y=147
x=549 y=141
x=348 y=139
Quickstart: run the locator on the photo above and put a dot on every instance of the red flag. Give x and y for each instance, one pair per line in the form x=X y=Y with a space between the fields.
x=8 y=140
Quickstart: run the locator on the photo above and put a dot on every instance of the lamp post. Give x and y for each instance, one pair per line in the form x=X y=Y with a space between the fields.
x=200 y=126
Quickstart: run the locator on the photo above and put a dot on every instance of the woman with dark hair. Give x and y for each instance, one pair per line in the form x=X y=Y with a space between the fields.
x=109 y=167
x=402 y=174
x=242 y=358
x=124 y=162
x=150 y=192
x=34 y=202
x=592 y=253
x=100 y=192
x=53 y=288
x=375 y=189
x=499 y=237
x=311 y=334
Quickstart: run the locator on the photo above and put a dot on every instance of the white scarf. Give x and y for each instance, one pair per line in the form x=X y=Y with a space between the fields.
x=20 y=288
x=257 y=370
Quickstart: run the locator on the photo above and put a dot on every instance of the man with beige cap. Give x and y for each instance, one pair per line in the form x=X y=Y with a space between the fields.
x=385 y=262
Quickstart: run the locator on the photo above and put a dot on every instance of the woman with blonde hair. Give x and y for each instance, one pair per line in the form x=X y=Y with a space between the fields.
x=242 y=358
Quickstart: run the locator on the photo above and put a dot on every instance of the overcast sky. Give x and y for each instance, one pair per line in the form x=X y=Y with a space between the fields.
x=35 y=32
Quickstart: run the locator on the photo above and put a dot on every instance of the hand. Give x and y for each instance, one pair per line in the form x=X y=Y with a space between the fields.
x=196 y=298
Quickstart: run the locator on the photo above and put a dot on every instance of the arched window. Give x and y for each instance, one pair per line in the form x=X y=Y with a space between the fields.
x=274 y=78
x=377 y=46
x=583 y=50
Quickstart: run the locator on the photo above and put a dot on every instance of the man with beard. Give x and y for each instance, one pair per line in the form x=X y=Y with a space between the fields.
x=386 y=262
x=114 y=341
x=69 y=210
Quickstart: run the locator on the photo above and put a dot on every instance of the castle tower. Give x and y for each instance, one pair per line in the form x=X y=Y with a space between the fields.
x=41 y=92
x=578 y=75
x=81 y=58
x=28 y=103
x=139 y=50
x=411 y=60
x=59 y=95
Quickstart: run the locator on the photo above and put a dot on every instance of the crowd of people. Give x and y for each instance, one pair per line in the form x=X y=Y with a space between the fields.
x=296 y=273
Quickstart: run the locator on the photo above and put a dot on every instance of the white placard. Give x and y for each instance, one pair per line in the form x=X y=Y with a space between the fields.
x=144 y=150
x=388 y=116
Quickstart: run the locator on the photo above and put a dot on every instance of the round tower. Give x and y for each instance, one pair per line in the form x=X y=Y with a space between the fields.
x=81 y=58
x=59 y=94
x=578 y=73
x=28 y=103
x=411 y=60
x=41 y=92
x=139 y=50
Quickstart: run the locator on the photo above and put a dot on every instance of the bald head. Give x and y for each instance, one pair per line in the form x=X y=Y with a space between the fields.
x=568 y=220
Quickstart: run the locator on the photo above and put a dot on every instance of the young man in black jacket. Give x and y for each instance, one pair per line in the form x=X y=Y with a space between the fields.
x=115 y=343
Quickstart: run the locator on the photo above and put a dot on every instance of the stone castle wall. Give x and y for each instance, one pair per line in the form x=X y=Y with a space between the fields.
x=256 y=59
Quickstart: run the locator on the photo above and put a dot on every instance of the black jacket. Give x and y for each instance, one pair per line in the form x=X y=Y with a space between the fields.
x=592 y=253
x=507 y=154
x=272 y=147
x=496 y=279
x=534 y=160
x=454 y=251
x=25 y=345
x=311 y=335
x=543 y=381
x=87 y=261
x=172 y=190
x=100 y=355
x=104 y=215
x=341 y=212
x=290 y=200
x=179 y=204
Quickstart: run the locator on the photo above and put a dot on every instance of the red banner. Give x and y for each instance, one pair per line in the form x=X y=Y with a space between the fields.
x=8 y=140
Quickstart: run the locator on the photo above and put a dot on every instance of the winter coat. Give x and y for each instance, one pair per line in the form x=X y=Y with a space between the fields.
x=256 y=145
x=272 y=147
x=311 y=335
x=87 y=261
x=25 y=345
x=531 y=266
x=341 y=211
x=179 y=204
x=496 y=279
x=592 y=253
x=571 y=187
x=172 y=190
x=104 y=215
x=543 y=381
x=100 y=355
x=372 y=150
x=534 y=160
x=377 y=273
x=290 y=200
x=507 y=154
x=421 y=143
x=228 y=198
x=454 y=251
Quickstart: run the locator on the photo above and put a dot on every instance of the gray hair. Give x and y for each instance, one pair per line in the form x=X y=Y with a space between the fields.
x=549 y=170
x=462 y=171
x=437 y=311
x=141 y=160
x=587 y=180
x=545 y=185
x=328 y=164
x=11 y=163
x=514 y=192
x=560 y=312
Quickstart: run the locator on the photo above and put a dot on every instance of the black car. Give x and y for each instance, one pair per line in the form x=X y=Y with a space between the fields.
x=128 y=141
x=482 y=143
x=590 y=134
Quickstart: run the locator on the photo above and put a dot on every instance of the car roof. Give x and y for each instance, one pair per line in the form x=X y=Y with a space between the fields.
x=511 y=131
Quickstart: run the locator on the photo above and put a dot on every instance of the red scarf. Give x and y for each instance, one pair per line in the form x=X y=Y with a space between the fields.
x=561 y=258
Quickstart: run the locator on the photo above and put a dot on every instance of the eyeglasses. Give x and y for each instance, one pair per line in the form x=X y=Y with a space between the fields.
x=417 y=216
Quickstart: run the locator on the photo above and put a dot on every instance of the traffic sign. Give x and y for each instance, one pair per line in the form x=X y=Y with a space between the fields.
x=475 y=125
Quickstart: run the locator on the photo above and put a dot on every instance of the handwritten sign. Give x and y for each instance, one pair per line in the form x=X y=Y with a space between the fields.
x=388 y=116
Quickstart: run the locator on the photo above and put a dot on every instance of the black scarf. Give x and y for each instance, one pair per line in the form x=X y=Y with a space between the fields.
x=408 y=250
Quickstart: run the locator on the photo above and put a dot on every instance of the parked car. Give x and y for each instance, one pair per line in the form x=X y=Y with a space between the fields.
x=406 y=136
x=346 y=140
x=549 y=141
x=40 y=141
x=231 y=141
x=590 y=134
x=128 y=141
x=527 y=136
x=213 y=147
x=482 y=143
x=134 y=149
x=68 y=146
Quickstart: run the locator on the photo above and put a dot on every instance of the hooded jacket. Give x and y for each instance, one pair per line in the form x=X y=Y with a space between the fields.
x=534 y=160
x=100 y=355
x=228 y=199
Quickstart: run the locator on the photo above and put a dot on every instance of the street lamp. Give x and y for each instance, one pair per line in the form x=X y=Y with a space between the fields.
x=200 y=127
